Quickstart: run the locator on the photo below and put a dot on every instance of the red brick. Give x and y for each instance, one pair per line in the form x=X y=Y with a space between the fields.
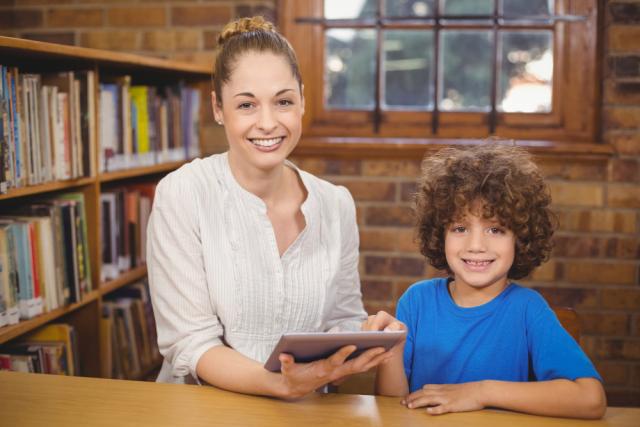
x=110 y=40
x=406 y=241
x=201 y=15
x=210 y=39
x=626 y=397
x=163 y=40
x=623 y=38
x=600 y=272
x=597 y=220
x=623 y=196
x=624 y=142
x=566 y=193
x=613 y=373
x=621 y=92
x=373 y=307
x=37 y=2
x=624 y=12
x=67 y=38
x=318 y=166
x=394 y=266
x=624 y=170
x=401 y=287
x=622 y=117
x=376 y=290
x=623 y=299
x=596 y=247
x=262 y=10
x=408 y=191
x=635 y=326
x=75 y=18
x=390 y=216
x=617 y=348
x=544 y=273
x=137 y=16
x=391 y=168
x=370 y=190
x=604 y=323
x=21 y=19
x=565 y=169
x=380 y=240
x=635 y=378
x=577 y=298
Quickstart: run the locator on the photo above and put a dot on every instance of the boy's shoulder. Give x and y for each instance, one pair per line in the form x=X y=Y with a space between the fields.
x=425 y=288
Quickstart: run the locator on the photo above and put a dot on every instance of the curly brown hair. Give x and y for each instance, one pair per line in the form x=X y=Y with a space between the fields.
x=510 y=188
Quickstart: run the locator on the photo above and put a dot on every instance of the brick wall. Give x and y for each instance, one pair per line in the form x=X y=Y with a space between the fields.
x=596 y=264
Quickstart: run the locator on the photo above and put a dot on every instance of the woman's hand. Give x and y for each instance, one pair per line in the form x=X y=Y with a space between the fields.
x=300 y=379
x=443 y=398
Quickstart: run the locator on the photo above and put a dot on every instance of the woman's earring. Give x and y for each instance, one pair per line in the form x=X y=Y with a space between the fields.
x=219 y=122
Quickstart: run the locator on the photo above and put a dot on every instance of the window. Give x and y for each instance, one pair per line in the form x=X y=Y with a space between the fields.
x=522 y=69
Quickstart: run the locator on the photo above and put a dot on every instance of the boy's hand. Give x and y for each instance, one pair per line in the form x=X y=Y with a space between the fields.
x=383 y=321
x=443 y=398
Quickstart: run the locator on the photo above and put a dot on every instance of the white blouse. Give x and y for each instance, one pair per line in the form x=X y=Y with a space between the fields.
x=216 y=275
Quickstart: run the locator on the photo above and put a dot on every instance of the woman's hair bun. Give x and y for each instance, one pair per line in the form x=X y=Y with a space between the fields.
x=244 y=25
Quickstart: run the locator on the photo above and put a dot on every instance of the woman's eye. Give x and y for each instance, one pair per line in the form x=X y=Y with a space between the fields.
x=284 y=102
x=244 y=106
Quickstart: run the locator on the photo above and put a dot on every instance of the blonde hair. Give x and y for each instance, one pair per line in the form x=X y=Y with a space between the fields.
x=246 y=35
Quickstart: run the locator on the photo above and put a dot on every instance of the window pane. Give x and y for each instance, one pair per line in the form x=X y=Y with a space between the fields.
x=407 y=67
x=350 y=9
x=413 y=8
x=526 y=71
x=527 y=7
x=466 y=67
x=468 y=7
x=350 y=69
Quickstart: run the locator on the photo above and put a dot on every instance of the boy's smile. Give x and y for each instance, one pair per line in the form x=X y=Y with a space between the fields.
x=480 y=253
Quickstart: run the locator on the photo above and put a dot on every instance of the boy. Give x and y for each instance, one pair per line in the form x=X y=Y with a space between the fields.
x=476 y=339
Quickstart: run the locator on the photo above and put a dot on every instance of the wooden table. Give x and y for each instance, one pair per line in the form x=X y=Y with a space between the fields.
x=39 y=400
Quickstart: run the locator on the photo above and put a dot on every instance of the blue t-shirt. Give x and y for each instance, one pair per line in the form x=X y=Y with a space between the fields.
x=514 y=337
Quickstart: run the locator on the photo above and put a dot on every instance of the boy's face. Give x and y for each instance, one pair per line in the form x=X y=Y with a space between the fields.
x=479 y=251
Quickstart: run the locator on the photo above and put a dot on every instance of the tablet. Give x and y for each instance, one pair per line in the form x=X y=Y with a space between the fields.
x=309 y=346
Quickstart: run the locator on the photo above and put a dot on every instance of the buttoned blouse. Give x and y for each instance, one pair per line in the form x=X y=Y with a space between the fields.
x=216 y=275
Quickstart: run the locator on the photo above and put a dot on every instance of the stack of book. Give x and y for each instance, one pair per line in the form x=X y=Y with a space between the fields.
x=125 y=214
x=146 y=125
x=128 y=331
x=53 y=349
x=46 y=123
x=44 y=259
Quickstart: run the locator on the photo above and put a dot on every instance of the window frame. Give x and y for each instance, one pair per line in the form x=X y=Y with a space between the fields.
x=573 y=120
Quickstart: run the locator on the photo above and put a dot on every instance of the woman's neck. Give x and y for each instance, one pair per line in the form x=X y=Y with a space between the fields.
x=268 y=185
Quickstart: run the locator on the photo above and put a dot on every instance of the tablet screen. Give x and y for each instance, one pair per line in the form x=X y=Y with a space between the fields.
x=311 y=346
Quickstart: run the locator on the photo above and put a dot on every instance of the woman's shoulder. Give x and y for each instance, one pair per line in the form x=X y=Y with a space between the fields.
x=331 y=195
x=196 y=176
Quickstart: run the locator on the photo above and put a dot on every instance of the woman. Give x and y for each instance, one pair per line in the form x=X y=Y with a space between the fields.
x=244 y=247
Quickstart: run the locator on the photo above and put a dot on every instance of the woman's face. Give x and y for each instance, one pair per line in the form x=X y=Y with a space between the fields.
x=262 y=109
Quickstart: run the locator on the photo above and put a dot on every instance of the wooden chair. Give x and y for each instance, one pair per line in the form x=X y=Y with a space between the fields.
x=569 y=321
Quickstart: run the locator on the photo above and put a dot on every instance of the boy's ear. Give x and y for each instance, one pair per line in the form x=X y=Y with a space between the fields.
x=215 y=107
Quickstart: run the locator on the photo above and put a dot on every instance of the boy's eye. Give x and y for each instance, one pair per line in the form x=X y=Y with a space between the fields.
x=496 y=230
x=458 y=229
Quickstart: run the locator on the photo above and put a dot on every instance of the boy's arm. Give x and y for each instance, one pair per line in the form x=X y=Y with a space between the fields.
x=390 y=378
x=582 y=398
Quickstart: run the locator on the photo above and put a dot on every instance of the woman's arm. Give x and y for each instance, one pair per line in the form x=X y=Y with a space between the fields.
x=582 y=398
x=226 y=368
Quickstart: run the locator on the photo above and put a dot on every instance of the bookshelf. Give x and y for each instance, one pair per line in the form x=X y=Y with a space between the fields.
x=41 y=58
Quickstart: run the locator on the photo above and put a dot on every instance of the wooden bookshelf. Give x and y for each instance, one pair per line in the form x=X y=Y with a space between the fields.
x=42 y=58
